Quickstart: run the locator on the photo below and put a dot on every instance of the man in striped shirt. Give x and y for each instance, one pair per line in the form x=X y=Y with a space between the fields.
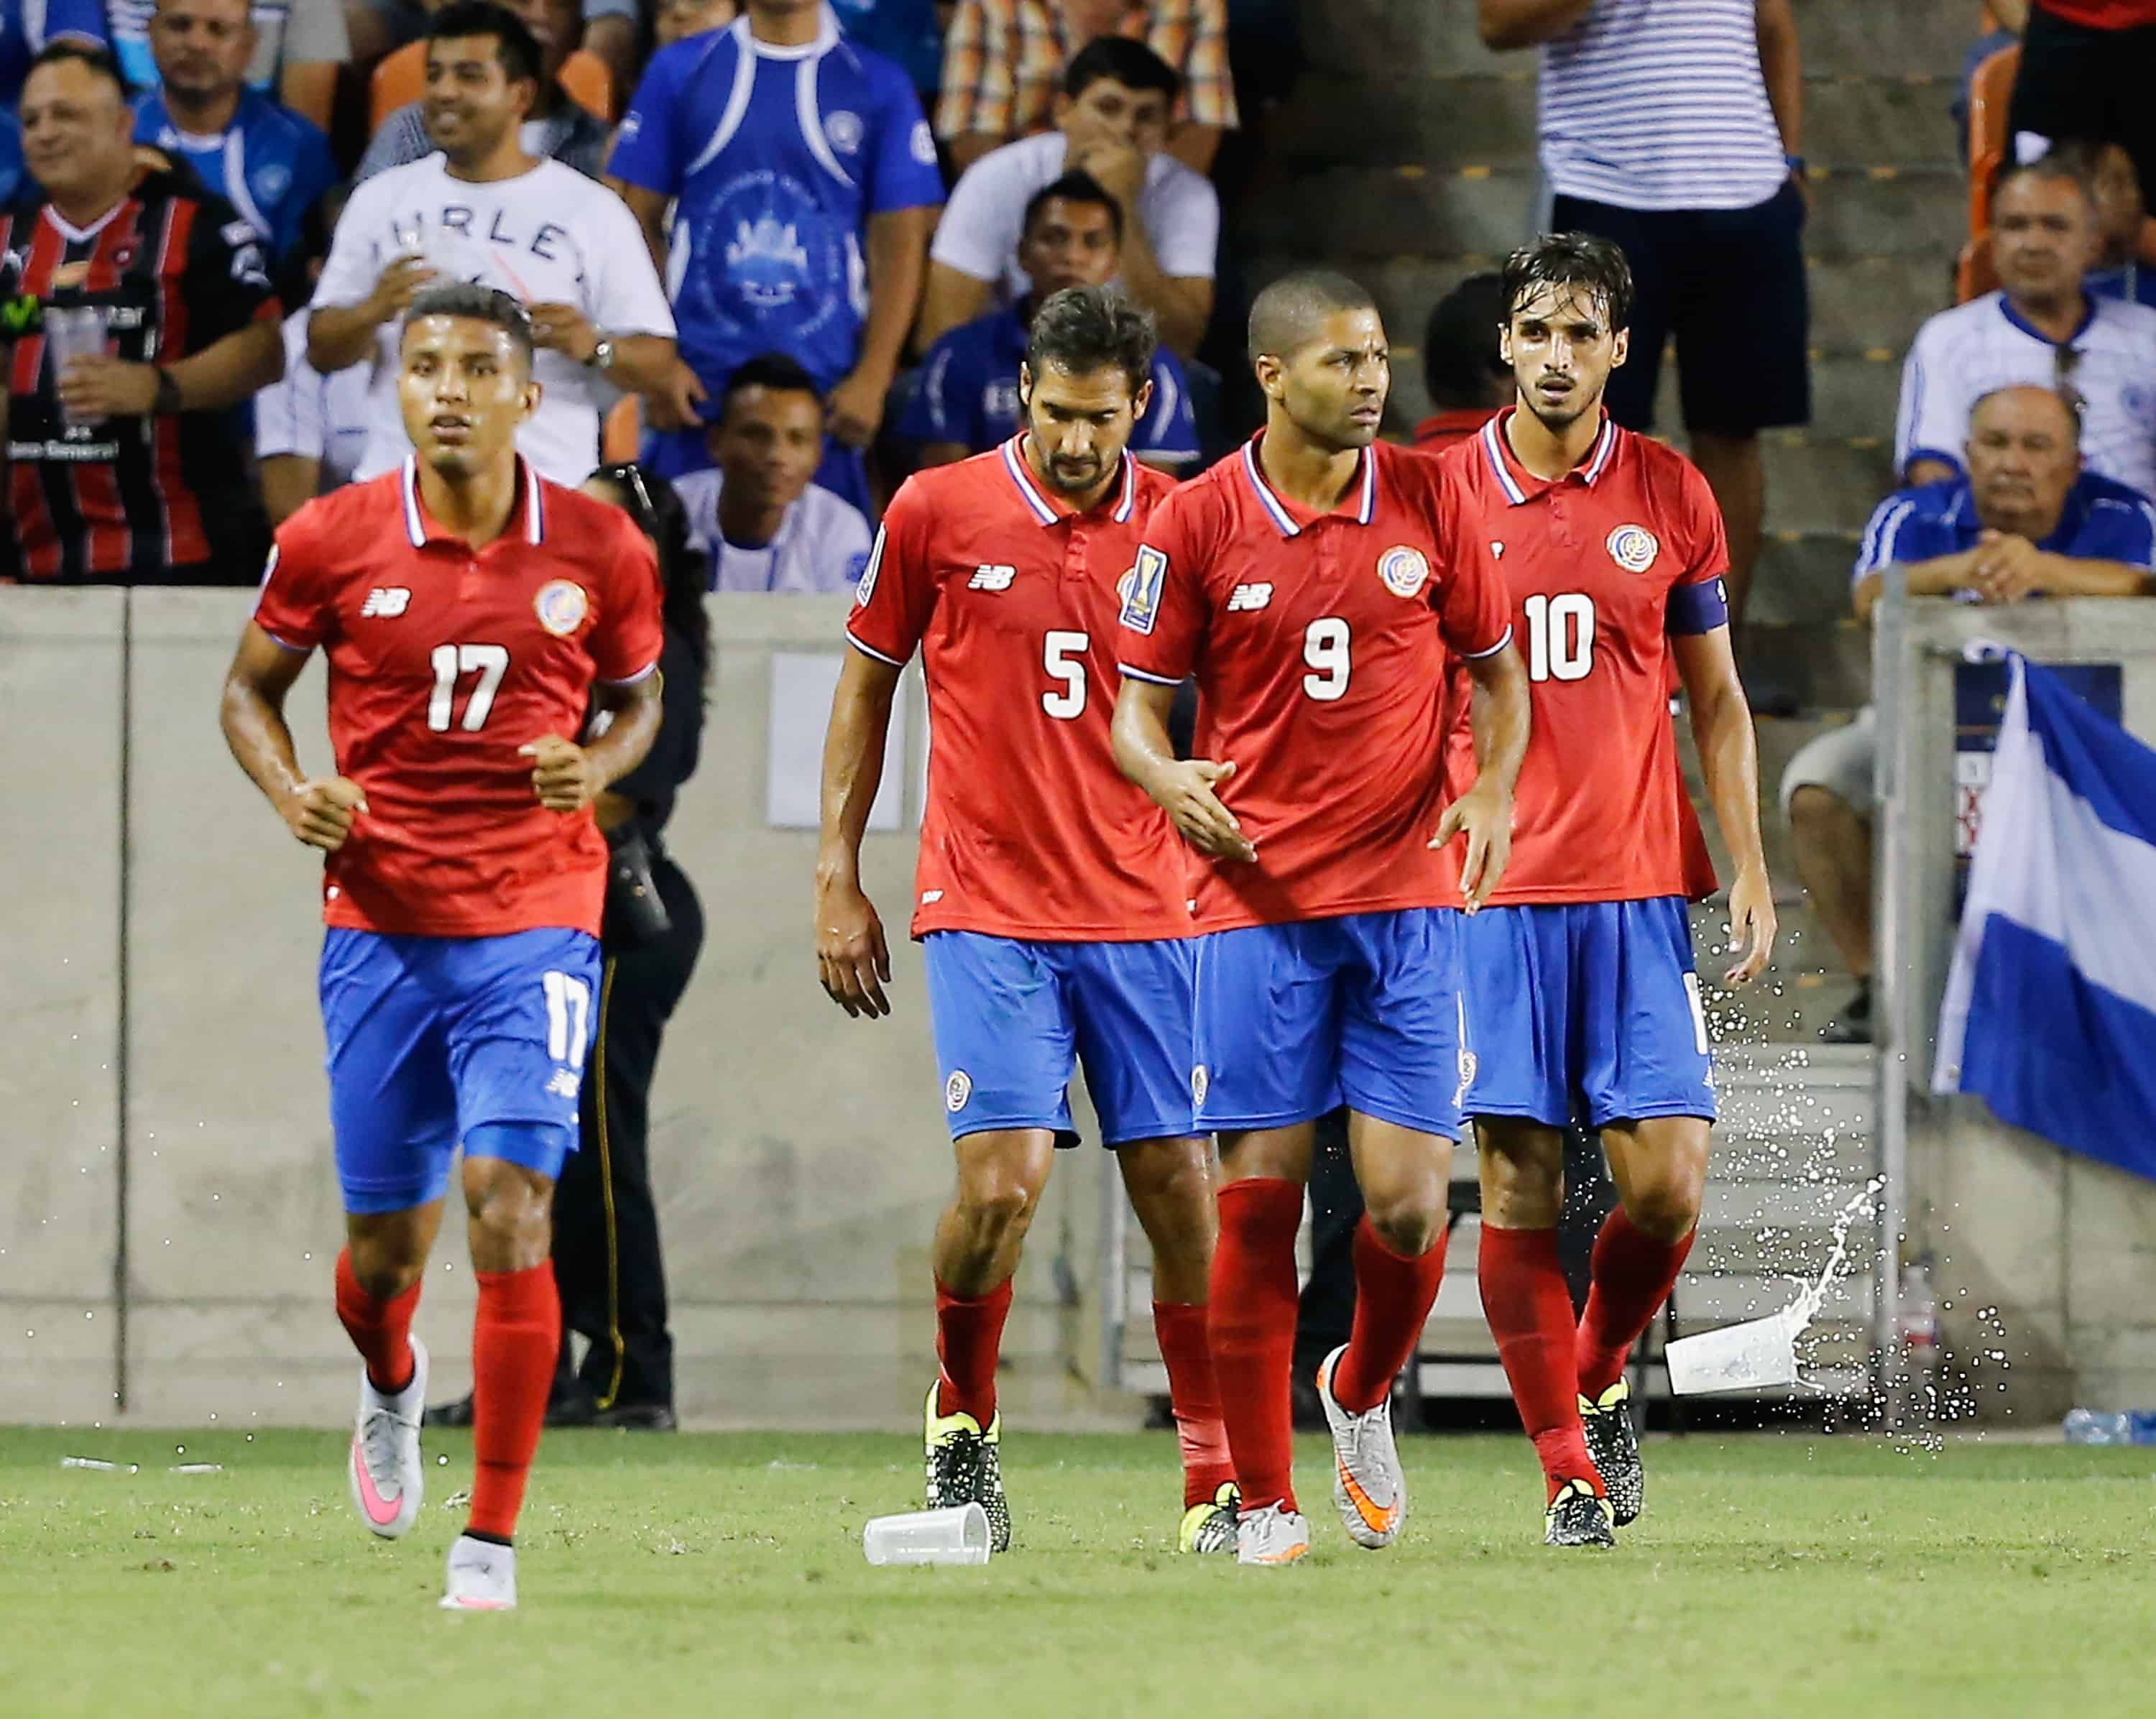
x=1004 y=61
x=1673 y=127
x=2026 y=521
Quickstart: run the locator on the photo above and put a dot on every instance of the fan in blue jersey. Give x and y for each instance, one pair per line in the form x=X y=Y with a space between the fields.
x=803 y=176
x=264 y=159
x=967 y=400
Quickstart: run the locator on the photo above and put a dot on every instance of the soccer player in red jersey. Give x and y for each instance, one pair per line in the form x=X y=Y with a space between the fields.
x=1317 y=581
x=1050 y=895
x=470 y=612
x=1583 y=1004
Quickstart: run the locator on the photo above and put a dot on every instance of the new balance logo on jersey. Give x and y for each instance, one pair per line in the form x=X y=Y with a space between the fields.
x=1245 y=597
x=1497 y=551
x=387 y=601
x=564 y=1085
x=991 y=578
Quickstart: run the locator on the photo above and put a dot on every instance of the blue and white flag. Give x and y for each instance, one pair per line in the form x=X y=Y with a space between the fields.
x=2051 y=1006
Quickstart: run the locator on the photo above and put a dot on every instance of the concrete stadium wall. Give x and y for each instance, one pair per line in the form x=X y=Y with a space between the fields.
x=800 y=1156
x=2040 y=1256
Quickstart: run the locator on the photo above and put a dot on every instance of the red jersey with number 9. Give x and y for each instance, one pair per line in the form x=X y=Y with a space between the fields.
x=443 y=661
x=1009 y=595
x=1602 y=566
x=1320 y=642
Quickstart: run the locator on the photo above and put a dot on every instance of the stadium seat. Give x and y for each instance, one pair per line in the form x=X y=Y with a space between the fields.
x=401 y=78
x=1990 y=93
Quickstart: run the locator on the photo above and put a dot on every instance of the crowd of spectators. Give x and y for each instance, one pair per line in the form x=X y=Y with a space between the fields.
x=721 y=214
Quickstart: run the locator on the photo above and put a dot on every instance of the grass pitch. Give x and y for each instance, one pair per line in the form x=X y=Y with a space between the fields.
x=723 y=1574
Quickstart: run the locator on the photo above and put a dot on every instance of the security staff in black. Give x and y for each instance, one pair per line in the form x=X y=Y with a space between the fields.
x=137 y=315
x=607 y=1263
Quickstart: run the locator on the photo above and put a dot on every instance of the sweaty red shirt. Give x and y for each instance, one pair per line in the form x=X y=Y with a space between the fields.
x=1593 y=562
x=443 y=660
x=1030 y=831
x=2103 y=14
x=1320 y=642
x=1442 y=429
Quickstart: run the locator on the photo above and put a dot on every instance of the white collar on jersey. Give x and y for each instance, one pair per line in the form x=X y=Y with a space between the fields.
x=1366 y=505
x=1598 y=462
x=1043 y=509
x=826 y=38
x=415 y=523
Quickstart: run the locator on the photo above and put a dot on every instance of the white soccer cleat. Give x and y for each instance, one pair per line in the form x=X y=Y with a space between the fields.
x=1369 y=1489
x=482 y=1577
x=1273 y=1535
x=389 y=1480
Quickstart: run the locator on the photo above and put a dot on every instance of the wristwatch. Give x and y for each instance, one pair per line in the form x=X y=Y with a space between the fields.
x=603 y=354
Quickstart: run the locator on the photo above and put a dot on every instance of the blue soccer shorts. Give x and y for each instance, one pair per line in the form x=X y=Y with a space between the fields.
x=1585 y=1012
x=430 y=1037
x=1296 y=1019
x=1011 y=1016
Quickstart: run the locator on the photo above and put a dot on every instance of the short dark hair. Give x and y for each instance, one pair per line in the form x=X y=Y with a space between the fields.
x=1083 y=329
x=772 y=371
x=519 y=48
x=99 y=59
x=1584 y=261
x=2074 y=167
x=1460 y=353
x=1119 y=59
x=1284 y=317
x=470 y=301
x=1075 y=186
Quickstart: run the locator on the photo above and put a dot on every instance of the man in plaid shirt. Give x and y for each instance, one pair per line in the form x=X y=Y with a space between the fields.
x=1004 y=61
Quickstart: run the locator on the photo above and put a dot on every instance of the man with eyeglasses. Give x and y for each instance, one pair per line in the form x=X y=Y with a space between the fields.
x=2041 y=329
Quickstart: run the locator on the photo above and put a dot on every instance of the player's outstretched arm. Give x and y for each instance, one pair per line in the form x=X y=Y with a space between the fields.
x=1484 y=813
x=1187 y=789
x=320 y=811
x=1729 y=758
x=852 y=959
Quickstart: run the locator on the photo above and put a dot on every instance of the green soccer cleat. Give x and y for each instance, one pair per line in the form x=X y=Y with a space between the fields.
x=1616 y=1448
x=1578 y=1516
x=1210 y=1525
x=965 y=1467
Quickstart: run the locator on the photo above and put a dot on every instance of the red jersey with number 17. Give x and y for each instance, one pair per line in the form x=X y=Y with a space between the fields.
x=1009 y=595
x=1602 y=565
x=1320 y=642
x=443 y=661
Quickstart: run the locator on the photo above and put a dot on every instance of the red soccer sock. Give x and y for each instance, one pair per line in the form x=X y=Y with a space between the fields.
x=516 y=1336
x=381 y=1331
x=1250 y=1321
x=1529 y=1309
x=1633 y=1274
x=1392 y=1298
x=969 y=1336
x=1194 y=1397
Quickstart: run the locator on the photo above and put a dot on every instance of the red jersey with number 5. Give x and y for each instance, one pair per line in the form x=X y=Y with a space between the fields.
x=443 y=661
x=1030 y=830
x=1320 y=642
x=1604 y=565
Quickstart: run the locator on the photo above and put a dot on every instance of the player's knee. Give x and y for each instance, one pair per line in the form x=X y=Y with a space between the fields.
x=1408 y=1224
x=1665 y=1208
x=509 y=1203
x=385 y=1275
x=998 y=1209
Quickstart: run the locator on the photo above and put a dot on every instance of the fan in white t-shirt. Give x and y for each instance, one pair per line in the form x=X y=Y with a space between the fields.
x=482 y=210
x=1112 y=120
x=764 y=526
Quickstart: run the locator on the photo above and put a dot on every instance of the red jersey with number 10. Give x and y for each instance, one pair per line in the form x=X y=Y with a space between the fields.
x=1320 y=642
x=1602 y=565
x=443 y=661
x=1009 y=595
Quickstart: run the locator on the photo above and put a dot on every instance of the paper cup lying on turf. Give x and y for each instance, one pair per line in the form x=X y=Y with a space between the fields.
x=1757 y=1354
x=957 y=1536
